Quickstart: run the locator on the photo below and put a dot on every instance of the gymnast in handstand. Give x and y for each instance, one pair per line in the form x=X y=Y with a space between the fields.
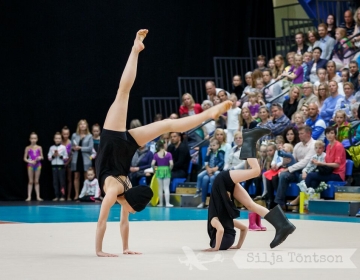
x=118 y=145
x=222 y=210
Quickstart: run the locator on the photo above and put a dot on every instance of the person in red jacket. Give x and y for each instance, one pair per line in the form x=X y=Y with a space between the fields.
x=189 y=106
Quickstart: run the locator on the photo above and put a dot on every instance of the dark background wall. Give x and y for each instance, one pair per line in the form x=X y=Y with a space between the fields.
x=61 y=62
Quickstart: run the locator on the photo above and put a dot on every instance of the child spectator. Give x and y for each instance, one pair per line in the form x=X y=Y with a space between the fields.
x=296 y=71
x=261 y=62
x=164 y=162
x=345 y=77
x=214 y=163
x=259 y=84
x=233 y=120
x=279 y=66
x=254 y=105
x=65 y=135
x=58 y=155
x=260 y=98
x=305 y=110
x=341 y=125
x=286 y=152
x=321 y=73
x=299 y=120
x=271 y=64
x=238 y=89
x=91 y=190
x=96 y=140
x=33 y=156
x=310 y=167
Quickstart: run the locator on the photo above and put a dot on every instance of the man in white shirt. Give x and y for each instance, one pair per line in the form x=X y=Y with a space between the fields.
x=303 y=152
x=212 y=90
x=326 y=42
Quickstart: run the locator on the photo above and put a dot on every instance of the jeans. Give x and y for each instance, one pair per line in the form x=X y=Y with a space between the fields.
x=204 y=181
x=313 y=179
x=285 y=179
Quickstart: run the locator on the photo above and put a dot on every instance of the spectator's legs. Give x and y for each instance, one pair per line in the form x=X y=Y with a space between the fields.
x=313 y=179
x=166 y=182
x=160 y=190
x=76 y=184
x=178 y=174
x=285 y=179
x=200 y=177
x=62 y=179
x=55 y=173
x=205 y=187
x=69 y=181
x=230 y=135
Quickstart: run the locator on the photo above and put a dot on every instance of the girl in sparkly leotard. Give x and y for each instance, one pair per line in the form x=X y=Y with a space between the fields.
x=33 y=156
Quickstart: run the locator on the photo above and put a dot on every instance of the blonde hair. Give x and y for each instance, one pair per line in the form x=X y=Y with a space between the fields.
x=291 y=147
x=223 y=133
x=242 y=121
x=300 y=114
x=233 y=95
x=342 y=32
x=356 y=19
x=191 y=98
x=319 y=143
x=237 y=133
x=327 y=93
x=78 y=127
x=135 y=123
x=292 y=89
x=278 y=70
x=342 y=112
x=280 y=138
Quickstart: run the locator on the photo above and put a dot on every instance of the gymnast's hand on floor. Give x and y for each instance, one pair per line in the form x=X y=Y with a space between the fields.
x=102 y=254
x=128 y=252
x=234 y=247
x=211 y=250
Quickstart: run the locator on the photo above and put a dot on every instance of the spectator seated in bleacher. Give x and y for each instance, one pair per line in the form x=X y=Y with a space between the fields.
x=331 y=25
x=247 y=89
x=308 y=95
x=220 y=135
x=279 y=120
x=331 y=72
x=214 y=163
x=321 y=75
x=246 y=119
x=313 y=40
x=326 y=42
x=210 y=126
x=316 y=123
x=334 y=167
x=279 y=66
x=300 y=47
x=212 y=90
x=342 y=49
x=233 y=119
x=341 y=125
x=274 y=89
x=323 y=93
x=291 y=135
x=354 y=112
x=234 y=162
x=237 y=86
x=314 y=65
x=354 y=74
x=261 y=63
x=303 y=151
x=264 y=116
x=296 y=71
x=299 y=119
x=180 y=154
x=345 y=103
x=348 y=25
x=189 y=106
x=328 y=108
x=311 y=167
x=140 y=161
x=290 y=105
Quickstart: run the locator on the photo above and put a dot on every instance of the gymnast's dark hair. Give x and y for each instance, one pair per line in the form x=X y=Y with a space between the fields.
x=160 y=145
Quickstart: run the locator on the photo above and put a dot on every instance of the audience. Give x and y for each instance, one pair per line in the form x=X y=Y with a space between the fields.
x=328 y=108
x=316 y=123
x=348 y=24
x=180 y=154
x=314 y=65
x=189 y=106
x=326 y=42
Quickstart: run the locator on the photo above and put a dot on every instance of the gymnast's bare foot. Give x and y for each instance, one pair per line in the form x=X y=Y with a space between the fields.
x=219 y=109
x=103 y=254
x=138 y=42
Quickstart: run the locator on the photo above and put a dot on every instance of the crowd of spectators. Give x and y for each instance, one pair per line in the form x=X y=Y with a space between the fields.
x=322 y=71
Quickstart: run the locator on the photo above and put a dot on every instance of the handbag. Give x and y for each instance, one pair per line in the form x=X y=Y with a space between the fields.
x=325 y=170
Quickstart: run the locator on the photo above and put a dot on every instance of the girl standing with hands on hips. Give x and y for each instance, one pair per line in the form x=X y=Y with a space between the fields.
x=33 y=156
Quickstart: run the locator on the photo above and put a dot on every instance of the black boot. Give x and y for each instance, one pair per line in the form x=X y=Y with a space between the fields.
x=250 y=137
x=282 y=225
